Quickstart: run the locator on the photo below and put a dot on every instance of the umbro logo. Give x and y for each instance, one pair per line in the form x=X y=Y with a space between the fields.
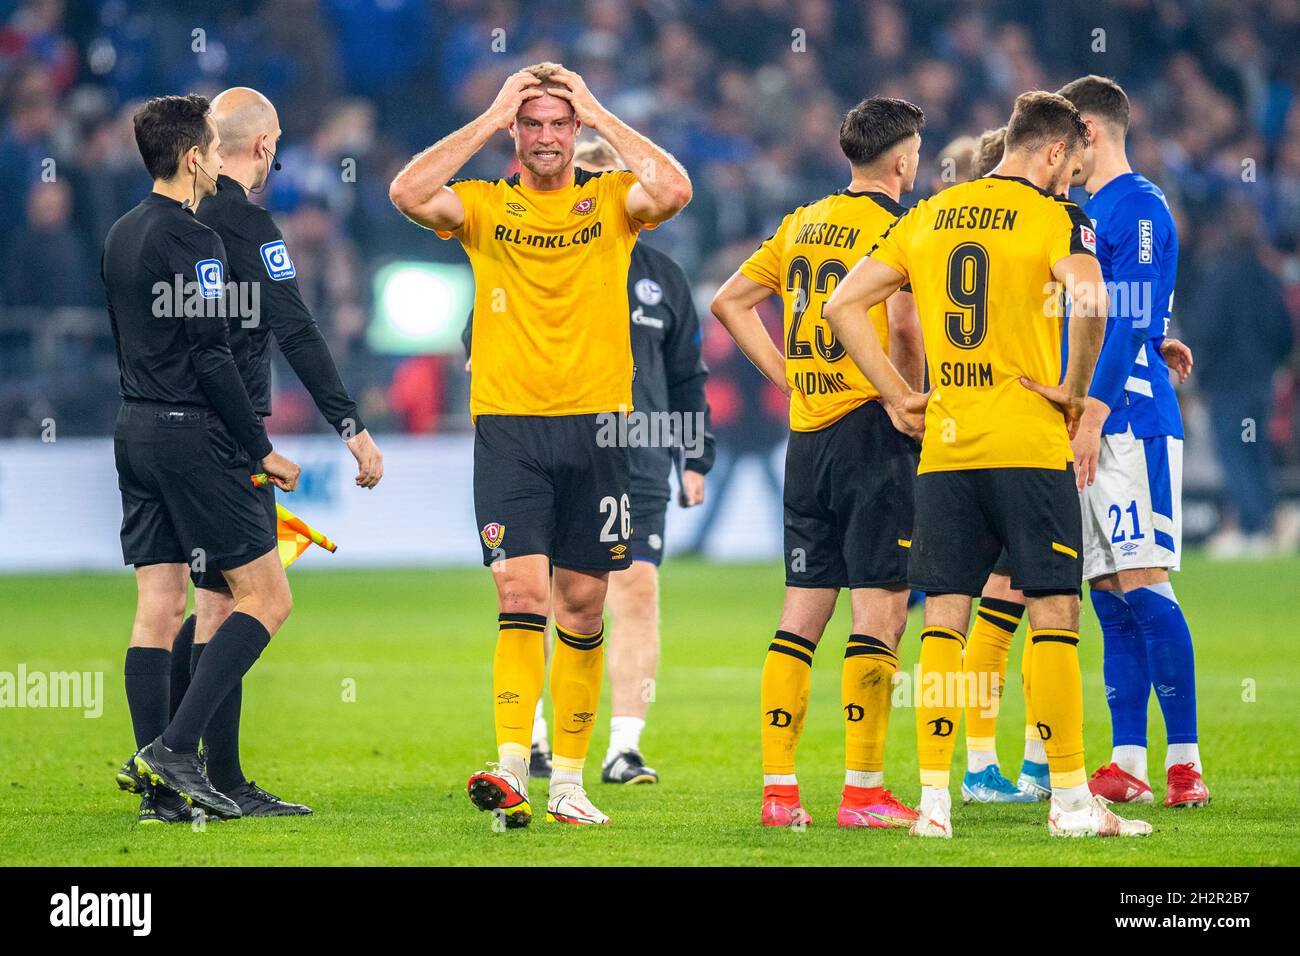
x=584 y=717
x=508 y=697
x=515 y=209
x=619 y=550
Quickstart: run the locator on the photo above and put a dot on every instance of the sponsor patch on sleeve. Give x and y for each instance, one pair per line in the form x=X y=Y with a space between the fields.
x=211 y=281
x=276 y=259
x=1145 y=241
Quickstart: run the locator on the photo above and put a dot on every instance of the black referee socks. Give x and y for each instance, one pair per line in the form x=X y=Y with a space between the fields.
x=148 y=677
x=227 y=658
x=221 y=736
x=181 y=669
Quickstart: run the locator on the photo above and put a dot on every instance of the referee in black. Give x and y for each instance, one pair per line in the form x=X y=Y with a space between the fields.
x=669 y=380
x=258 y=259
x=184 y=442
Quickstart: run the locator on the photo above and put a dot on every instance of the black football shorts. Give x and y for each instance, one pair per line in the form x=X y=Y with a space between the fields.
x=964 y=520
x=553 y=485
x=848 y=503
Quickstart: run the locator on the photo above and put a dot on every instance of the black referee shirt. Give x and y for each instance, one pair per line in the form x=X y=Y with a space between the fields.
x=165 y=276
x=258 y=254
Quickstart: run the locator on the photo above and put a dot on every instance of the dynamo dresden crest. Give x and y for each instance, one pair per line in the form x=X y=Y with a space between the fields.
x=584 y=207
x=493 y=534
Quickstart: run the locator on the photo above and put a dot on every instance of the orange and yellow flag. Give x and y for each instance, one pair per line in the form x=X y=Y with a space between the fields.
x=294 y=535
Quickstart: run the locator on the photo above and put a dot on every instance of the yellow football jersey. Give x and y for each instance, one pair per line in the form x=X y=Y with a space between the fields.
x=551 y=324
x=979 y=257
x=804 y=260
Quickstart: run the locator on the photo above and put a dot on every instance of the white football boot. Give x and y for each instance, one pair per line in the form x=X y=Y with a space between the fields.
x=934 y=815
x=1094 y=819
x=569 y=803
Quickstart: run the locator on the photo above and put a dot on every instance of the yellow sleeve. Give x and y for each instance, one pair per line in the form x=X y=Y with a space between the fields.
x=893 y=245
x=618 y=184
x=472 y=193
x=764 y=266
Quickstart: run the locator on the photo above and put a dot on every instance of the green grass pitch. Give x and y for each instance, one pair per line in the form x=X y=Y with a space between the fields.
x=386 y=772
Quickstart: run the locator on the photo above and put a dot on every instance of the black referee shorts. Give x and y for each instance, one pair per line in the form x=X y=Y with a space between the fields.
x=186 y=493
x=848 y=503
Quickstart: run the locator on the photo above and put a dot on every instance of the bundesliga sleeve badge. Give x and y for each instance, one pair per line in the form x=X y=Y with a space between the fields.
x=1088 y=238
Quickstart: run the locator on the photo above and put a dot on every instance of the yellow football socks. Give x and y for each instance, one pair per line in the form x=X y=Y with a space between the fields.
x=518 y=672
x=865 y=686
x=1056 y=692
x=577 y=664
x=940 y=704
x=985 y=668
x=787 y=677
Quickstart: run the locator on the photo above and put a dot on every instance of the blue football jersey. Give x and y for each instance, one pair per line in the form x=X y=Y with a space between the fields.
x=1137 y=246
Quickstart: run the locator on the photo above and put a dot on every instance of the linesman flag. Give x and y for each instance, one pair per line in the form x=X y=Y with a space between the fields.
x=293 y=534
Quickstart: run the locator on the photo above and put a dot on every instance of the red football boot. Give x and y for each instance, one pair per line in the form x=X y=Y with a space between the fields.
x=1117 y=786
x=873 y=807
x=1186 y=787
x=781 y=807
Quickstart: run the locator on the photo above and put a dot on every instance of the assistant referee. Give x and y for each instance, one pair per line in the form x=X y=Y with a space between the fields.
x=184 y=441
x=259 y=258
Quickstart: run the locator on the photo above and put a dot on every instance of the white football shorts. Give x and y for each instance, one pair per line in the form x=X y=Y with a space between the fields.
x=1133 y=513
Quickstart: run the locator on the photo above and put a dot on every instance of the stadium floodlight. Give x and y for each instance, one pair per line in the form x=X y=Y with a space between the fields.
x=420 y=308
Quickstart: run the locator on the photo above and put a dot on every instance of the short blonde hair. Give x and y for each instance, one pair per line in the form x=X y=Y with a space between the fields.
x=596 y=152
x=989 y=153
x=544 y=70
x=961 y=154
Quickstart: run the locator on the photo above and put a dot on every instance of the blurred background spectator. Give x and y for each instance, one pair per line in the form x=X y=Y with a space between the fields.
x=747 y=93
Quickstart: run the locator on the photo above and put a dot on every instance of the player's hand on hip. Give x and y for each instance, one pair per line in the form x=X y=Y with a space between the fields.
x=693 y=488
x=1178 y=357
x=908 y=415
x=570 y=86
x=518 y=90
x=1070 y=406
x=370 y=461
x=282 y=472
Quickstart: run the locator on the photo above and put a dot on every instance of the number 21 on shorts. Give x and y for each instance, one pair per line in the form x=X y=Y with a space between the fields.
x=1116 y=532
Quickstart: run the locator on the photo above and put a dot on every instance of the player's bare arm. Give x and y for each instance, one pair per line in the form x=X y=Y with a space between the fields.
x=869 y=283
x=663 y=189
x=420 y=190
x=735 y=307
x=906 y=348
x=1084 y=416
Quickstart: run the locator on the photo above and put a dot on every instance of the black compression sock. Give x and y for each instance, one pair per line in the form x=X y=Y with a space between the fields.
x=221 y=738
x=226 y=659
x=180 y=680
x=148 y=674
